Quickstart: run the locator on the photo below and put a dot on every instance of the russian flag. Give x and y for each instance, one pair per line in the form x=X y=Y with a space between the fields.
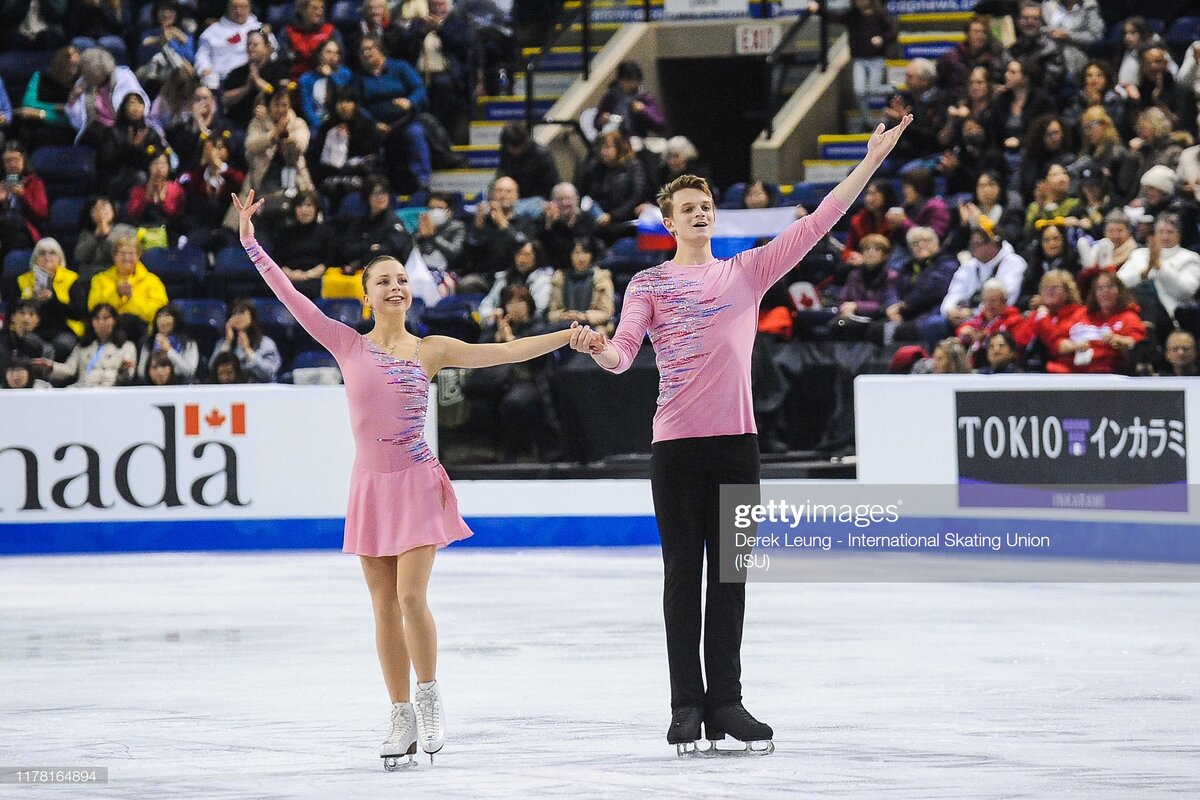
x=737 y=229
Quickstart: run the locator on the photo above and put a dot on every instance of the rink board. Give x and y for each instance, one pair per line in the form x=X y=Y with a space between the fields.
x=214 y=468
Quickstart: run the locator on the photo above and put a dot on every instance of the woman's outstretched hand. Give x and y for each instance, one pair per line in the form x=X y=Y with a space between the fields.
x=586 y=340
x=245 y=212
x=881 y=143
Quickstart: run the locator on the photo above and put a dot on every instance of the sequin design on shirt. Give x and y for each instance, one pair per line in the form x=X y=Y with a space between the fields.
x=676 y=335
x=412 y=388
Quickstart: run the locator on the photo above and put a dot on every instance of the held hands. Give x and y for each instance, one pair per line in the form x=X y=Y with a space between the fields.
x=586 y=340
x=245 y=212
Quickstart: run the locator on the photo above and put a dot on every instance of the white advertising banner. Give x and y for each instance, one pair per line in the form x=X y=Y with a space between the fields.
x=705 y=8
x=251 y=452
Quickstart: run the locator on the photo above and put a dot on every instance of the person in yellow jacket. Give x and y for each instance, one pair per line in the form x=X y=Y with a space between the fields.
x=59 y=294
x=134 y=291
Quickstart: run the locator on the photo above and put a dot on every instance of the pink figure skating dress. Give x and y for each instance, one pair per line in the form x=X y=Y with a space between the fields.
x=400 y=496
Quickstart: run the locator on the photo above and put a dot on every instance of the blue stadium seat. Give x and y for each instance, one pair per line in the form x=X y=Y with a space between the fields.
x=64 y=220
x=810 y=195
x=348 y=312
x=182 y=270
x=18 y=66
x=1188 y=317
x=234 y=275
x=278 y=323
x=1184 y=31
x=734 y=196
x=314 y=358
x=410 y=217
x=66 y=171
x=16 y=263
x=205 y=322
x=345 y=14
x=352 y=205
x=280 y=15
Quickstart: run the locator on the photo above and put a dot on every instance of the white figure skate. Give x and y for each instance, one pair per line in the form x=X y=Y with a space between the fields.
x=402 y=741
x=429 y=718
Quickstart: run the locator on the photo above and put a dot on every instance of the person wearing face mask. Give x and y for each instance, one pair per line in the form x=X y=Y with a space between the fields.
x=972 y=154
x=440 y=236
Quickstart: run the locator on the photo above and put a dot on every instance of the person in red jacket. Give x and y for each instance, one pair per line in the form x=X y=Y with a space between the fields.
x=995 y=315
x=1054 y=309
x=160 y=200
x=1104 y=331
x=23 y=202
x=871 y=218
x=303 y=36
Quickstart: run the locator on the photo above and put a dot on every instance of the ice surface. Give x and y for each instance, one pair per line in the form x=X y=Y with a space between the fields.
x=254 y=676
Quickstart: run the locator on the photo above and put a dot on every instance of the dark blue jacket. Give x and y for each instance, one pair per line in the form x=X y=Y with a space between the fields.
x=376 y=93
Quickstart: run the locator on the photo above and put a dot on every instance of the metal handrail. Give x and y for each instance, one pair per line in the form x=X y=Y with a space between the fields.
x=772 y=87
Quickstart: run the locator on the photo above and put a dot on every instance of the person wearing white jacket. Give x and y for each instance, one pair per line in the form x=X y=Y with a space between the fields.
x=1162 y=275
x=991 y=257
x=98 y=93
x=1076 y=25
x=222 y=46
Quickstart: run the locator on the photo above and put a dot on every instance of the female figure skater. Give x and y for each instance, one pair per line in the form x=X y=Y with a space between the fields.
x=402 y=506
x=701 y=315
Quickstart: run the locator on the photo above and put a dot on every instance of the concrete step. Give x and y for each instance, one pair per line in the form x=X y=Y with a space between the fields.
x=546 y=84
x=563 y=58
x=929 y=45
x=842 y=146
x=480 y=156
x=900 y=7
x=467 y=181
x=937 y=20
x=827 y=170
x=510 y=106
x=483 y=132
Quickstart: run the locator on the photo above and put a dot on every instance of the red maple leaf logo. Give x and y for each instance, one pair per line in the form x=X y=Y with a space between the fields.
x=806 y=301
x=215 y=419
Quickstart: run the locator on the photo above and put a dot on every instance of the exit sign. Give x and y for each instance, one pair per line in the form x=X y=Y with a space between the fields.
x=756 y=40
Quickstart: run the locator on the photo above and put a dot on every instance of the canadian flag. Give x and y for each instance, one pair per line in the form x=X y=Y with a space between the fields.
x=214 y=419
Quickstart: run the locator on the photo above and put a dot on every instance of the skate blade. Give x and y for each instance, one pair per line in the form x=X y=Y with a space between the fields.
x=753 y=748
x=394 y=763
x=690 y=749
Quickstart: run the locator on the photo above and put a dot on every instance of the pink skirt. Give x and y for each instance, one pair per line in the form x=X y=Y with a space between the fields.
x=391 y=512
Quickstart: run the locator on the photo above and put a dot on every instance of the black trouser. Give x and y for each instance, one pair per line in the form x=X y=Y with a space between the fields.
x=685 y=477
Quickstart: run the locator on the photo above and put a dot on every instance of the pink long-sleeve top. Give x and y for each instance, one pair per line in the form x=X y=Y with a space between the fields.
x=387 y=396
x=702 y=320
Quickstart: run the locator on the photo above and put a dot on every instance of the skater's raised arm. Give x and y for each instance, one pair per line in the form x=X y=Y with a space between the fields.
x=333 y=335
x=775 y=259
x=444 y=351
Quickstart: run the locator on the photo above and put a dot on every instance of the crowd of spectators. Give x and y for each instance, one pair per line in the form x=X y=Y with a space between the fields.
x=1043 y=205
x=1040 y=214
